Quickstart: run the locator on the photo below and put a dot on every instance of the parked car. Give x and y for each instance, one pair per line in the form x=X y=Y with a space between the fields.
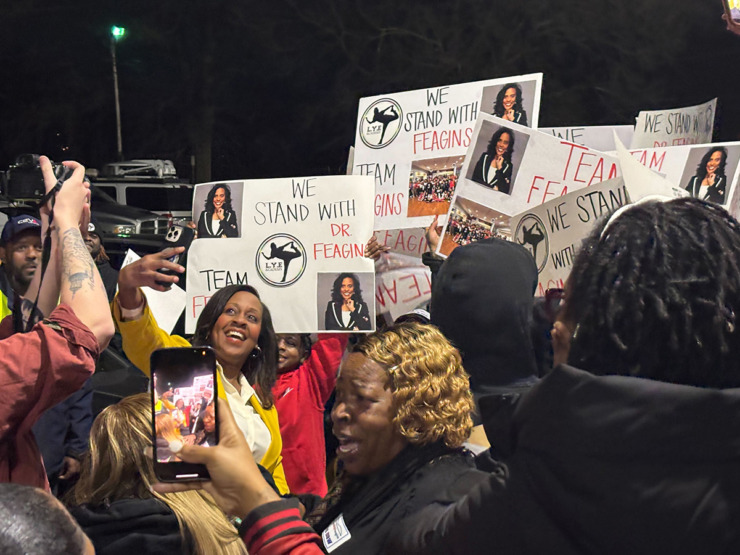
x=148 y=184
x=124 y=226
x=172 y=200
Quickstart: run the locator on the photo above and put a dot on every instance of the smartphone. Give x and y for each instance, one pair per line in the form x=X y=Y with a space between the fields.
x=732 y=9
x=184 y=409
x=177 y=236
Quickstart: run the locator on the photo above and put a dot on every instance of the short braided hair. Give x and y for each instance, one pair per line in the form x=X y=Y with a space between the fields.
x=656 y=294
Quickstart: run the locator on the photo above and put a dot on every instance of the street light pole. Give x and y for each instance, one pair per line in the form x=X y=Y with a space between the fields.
x=116 y=34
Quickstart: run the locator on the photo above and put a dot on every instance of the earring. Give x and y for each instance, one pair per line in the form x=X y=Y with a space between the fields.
x=256 y=352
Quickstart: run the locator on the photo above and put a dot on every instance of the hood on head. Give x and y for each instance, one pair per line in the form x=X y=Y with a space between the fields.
x=482 y=300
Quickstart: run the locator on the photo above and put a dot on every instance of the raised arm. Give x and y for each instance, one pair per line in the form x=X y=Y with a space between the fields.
x=81 y=287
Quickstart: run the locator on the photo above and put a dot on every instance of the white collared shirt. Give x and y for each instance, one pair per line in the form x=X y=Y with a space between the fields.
x=249 y=421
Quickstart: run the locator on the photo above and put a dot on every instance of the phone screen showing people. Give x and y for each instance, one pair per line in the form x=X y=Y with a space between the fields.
x=184 y=409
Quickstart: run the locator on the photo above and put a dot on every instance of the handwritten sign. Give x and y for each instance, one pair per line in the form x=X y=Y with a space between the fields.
x=412 y=143
x=295 y=236
x=166 y=306
x=510 y=169
x=709 y=171
x=675 y=127
x=400 y=291
x=409 y=242
x=600 y=137
x=553 y=231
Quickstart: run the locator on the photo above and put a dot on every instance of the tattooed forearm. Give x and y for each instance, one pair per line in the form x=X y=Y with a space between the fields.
x=77 y=266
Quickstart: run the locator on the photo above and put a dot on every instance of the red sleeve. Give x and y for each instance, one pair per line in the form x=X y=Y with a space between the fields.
x=41 y=368
x=321 y=366
x=277 y=529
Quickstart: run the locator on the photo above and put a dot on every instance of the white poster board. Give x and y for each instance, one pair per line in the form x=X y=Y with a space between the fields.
x=413 y=143
x=597 y=137
x=166 y=306
x=510 y=169
x=553 y=231
x=294 y=240
x=675 y=127
x=686 y=167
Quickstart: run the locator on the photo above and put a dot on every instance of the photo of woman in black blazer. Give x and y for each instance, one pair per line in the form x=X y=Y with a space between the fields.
x=218 y=219
x=347 y=310
x=494 y=167
x=710 y=180
x=508 y=104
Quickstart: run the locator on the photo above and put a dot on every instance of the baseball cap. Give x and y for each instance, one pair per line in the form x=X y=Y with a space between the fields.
x=18 y=224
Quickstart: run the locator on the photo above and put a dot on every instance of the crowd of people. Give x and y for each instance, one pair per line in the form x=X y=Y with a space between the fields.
x=464 y=229
x=600 y=419
x=433 y=187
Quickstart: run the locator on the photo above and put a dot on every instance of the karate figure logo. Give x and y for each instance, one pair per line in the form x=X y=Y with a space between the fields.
x=381 y=123
x=281 y=260
x=531 y=234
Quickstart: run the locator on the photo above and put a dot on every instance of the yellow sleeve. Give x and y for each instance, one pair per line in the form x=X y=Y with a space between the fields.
x=273 y=459
x=141 y=337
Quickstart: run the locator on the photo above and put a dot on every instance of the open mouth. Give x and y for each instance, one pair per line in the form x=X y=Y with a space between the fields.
x=236 y=334
x=347 y=446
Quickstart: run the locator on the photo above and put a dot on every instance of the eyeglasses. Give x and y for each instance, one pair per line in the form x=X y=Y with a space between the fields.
x=553 y=302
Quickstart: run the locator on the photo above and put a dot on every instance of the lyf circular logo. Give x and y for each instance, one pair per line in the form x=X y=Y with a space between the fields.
x=281 y=260
x=531 y=234
x=381 y=123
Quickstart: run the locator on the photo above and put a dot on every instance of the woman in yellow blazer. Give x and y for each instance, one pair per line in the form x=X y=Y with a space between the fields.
x=237 y=326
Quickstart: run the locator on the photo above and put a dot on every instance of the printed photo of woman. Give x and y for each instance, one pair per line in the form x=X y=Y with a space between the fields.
x=710 y=181
x=494 y=167
x=347 y=311
x=218 y=218
x=508 y=104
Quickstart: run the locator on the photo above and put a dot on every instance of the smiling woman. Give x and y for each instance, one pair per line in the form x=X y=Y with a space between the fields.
x=237 y=325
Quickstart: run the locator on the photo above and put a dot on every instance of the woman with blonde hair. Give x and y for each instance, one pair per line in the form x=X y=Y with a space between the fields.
x=113 y=502
x=402 y=412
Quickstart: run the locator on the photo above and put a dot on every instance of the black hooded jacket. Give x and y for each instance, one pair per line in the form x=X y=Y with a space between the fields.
x=131 y=526
x=482 y=298
x=602 y=465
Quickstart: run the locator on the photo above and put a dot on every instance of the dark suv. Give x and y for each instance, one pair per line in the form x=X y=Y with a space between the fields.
x=127 y=226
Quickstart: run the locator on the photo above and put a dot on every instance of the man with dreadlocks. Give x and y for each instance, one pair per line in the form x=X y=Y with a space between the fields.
x=633 y=445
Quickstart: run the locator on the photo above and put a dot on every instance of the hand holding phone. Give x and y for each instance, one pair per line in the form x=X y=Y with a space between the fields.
x=732 y=15
x=187 y=418
x=177 y=236
x=236 y=482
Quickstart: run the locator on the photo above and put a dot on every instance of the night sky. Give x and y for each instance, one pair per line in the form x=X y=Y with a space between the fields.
x=270 y=89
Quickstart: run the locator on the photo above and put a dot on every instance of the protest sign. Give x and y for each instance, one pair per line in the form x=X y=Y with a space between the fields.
x=409 y=242
x=600 y=137
x=553 y=231
x=402 y=290
x=509 y=169
x=412 y=143
x=166 y=306
x=675 y=127
x=709 y=171
x=297 y=241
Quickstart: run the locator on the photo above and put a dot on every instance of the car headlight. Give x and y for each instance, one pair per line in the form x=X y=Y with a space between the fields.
x=124 y=229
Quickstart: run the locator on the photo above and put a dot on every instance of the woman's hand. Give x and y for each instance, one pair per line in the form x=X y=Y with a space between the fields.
x=498 y=161
x=373 y=249
x=509 y=114
x=219 y=213
x=432 y=234
x=350 y=304
x=145 y=272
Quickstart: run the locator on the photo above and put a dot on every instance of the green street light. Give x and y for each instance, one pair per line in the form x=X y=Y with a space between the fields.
x=117 y=32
